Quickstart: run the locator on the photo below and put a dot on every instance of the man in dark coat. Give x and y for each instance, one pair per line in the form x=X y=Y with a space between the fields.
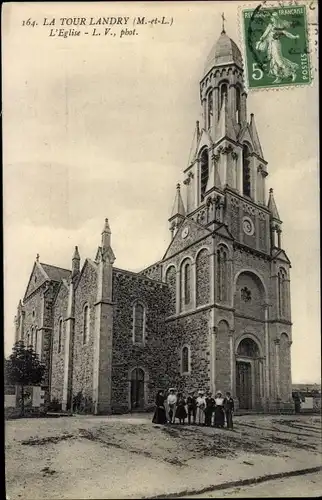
x=229 y=410
x=192 y=407
x=210 y=407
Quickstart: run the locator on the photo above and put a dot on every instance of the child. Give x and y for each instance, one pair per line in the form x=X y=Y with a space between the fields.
x=181 y=413
x=229 y=410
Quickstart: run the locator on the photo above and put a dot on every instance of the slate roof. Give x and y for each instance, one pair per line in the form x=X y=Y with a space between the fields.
x=56 y=273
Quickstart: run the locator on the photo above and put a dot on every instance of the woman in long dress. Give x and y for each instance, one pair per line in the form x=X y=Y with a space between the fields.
x=159 y=416
x=219 y=410
x=201 y=406
x=271 y=42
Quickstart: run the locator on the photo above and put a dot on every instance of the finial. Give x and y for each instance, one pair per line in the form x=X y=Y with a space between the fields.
x=178 y=187
x=223 y=23
x=271 y=190
x=37 y=257
x=76 y=254
x=106 y=228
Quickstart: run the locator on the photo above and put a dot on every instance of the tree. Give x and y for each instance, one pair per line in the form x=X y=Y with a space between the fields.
x=23 y=368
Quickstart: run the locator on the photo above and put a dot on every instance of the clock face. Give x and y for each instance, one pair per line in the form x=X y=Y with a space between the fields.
x=248 y=226
x=185 y=232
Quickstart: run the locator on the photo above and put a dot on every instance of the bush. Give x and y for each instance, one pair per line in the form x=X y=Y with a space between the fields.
x=82 y=404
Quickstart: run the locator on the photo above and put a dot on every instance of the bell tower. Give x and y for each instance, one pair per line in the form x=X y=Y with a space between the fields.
x=226 y=151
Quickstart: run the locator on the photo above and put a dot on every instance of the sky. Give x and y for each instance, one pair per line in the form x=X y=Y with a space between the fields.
x=101 y=126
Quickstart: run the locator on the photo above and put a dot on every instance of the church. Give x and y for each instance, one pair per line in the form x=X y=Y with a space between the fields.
x=213 y=314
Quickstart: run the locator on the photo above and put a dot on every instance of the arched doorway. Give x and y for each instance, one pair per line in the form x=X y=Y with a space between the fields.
x=137 y=389
x=248 y=374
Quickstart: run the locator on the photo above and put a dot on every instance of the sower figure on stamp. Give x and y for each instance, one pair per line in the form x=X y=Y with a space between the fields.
x=192 y=407
x=229 y=410
x=270 y=42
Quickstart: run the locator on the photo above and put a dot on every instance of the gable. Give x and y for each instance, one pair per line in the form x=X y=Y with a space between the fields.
x=194 y=232
x=223 y=232
x=204 y=140
x=37 y=278
x=281 y=255
x=88 y=273
x=245 y=136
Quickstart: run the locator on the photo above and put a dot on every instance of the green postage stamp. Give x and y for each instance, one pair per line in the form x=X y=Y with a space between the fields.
x=276 y=46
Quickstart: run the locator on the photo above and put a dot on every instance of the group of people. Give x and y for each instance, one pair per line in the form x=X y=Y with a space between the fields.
x=201 y=410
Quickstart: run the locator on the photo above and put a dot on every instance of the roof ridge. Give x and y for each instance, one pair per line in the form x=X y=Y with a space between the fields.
x=52 y=265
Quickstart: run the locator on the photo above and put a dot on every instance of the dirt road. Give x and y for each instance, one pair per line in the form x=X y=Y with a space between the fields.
x=128 y=457
x=308 y=485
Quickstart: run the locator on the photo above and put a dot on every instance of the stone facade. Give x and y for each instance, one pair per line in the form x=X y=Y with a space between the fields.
x=220 y=295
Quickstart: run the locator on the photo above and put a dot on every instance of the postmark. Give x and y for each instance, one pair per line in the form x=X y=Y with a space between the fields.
x=276 y=46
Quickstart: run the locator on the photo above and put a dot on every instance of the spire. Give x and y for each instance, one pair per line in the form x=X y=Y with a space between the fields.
x=106 y=235
x=76 y=255
x=178 y=206
x=253 y=131
x=272 y=205
x=75 y=262
x=37 y=257
x=225 y=127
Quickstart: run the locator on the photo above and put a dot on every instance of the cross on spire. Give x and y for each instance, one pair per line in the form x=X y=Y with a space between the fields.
x=223 y=23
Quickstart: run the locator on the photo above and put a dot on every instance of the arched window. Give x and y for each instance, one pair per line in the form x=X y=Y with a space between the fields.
x=238 y=103
x=223 y=93
x=171 y=280
x=185 y=360
x=210 y=109
x=60 y=334
x=32 y=337
x=28 y=339
x=282 y=292
x=86 y=324
x=246 y=171
x=221 y=274
x=204 y=173
x=186 y=283
x=36 y=339
x=138 y=323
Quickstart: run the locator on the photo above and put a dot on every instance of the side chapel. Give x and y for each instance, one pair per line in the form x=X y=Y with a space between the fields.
x=213 y=313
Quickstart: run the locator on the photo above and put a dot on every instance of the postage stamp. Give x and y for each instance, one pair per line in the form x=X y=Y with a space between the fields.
x=276 y=46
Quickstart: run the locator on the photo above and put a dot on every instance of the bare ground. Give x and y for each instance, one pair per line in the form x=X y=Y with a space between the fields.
x=123 y=457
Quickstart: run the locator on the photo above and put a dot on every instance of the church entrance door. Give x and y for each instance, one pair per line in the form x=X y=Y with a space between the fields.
x=244 y=385
x=137 y=389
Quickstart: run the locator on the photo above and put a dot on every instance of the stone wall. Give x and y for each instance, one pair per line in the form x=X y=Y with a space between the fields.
x=190 y=330
x=222 y=363
x=152 y=354
x=57 y=364
x=202 y=277
x=85 y=293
